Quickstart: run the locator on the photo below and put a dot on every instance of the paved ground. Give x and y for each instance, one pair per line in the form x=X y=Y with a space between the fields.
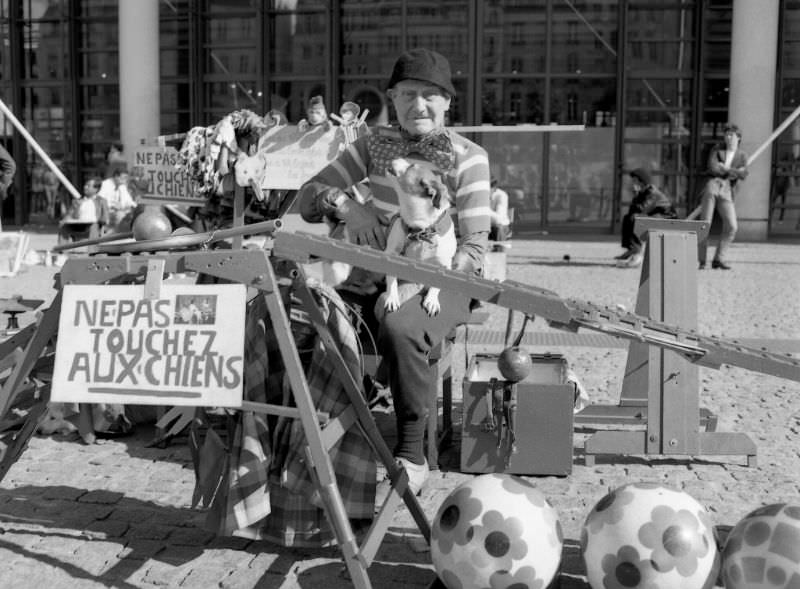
x=117 y=514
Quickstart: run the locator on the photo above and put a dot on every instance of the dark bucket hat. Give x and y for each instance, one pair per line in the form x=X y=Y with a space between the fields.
x=423 y=65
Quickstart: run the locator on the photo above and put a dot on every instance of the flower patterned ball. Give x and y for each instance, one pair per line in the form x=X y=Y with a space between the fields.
x=763 y=549
x=496 y=531
x=647 y=536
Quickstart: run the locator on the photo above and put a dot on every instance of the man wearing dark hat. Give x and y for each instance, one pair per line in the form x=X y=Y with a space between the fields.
x=647 y=201
x=421 y=90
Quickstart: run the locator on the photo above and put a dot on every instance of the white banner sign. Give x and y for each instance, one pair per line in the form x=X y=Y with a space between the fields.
x=294 y=156
x=185 y=347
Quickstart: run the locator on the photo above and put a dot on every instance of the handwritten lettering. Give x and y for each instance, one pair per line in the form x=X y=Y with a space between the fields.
x=122 y=313
x=191 y=370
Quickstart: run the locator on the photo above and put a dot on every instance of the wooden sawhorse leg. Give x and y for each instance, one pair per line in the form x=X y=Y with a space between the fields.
x=660 y=390
x=364 y=419
x=38 y=337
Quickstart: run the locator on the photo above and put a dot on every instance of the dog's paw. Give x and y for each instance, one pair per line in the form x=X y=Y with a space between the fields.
x=52 y=425
x=431 y=304
x=392 y=303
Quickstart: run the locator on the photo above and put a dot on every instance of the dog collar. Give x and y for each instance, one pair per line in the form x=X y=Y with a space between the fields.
x=440 y=227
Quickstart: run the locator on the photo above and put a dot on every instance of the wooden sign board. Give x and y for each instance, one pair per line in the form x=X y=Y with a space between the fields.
x=160 y=181
x=293 y=156
x=185 y=347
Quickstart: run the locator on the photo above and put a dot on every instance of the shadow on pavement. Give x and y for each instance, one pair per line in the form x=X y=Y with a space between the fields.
x=108 y=538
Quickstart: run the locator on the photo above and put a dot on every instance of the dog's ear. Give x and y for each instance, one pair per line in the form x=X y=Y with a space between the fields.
x=435 y=189
x=429 y=190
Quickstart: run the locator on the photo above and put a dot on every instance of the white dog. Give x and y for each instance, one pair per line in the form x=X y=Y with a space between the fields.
x=423 y=230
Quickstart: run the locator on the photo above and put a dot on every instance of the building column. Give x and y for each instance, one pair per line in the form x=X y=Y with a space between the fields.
x=139 y=96
x=754 y=50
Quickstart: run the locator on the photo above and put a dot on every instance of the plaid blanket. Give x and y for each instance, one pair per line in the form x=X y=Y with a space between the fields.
x=264 y=489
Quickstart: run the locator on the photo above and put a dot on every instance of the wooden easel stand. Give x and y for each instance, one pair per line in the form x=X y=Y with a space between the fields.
x=252 y=268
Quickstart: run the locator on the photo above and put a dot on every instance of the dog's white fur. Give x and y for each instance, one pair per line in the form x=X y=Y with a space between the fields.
x=54 y=420
x=417 y=203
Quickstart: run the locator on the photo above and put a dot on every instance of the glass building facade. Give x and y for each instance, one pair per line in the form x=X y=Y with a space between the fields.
x=624 y=83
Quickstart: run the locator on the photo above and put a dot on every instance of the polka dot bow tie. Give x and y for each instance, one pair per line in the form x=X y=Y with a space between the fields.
x=435 y=147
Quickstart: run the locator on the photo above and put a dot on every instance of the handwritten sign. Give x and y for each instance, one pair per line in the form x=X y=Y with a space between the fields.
x=185 y=347
x=155 y=174
x=294 y=156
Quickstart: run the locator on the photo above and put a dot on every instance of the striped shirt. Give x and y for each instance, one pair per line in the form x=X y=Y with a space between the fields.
x=468 y=181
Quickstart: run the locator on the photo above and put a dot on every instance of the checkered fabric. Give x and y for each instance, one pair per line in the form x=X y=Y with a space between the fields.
x=265 y=490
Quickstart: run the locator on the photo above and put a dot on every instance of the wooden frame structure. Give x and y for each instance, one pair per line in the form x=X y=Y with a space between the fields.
x=672 y=353
x=252 y=268
x=660 y=388
x=660 y=391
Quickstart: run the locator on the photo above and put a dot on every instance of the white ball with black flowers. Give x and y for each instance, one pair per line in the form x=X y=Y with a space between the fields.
x=497 y=531
x=647 y=536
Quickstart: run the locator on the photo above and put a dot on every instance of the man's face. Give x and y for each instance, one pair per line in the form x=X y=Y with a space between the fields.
x=420 y=106
x=731 y=140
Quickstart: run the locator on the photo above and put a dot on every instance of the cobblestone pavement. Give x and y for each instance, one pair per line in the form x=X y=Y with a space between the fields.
x=117 y=513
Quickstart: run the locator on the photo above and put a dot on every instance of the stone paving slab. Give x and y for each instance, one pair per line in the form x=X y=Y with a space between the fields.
x=117 y=513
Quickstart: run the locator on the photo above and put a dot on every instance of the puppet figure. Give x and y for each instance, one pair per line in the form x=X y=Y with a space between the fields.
x=316 y=115
x=351 y=125
x=250 y=171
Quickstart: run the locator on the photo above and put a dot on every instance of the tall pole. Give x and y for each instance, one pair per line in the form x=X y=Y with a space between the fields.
x=38 y=149
x=139 y=74
x=751 y=105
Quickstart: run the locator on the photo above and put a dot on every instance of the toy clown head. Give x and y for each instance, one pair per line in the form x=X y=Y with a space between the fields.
x=316 y=113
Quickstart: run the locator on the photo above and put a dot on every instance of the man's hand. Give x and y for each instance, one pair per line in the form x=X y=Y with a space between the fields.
x=364 y=224
x=469 y=255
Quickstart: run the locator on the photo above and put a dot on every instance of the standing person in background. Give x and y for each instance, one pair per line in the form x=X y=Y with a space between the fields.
x=727 y=166
x=647 y=201
x=782 y=183
x=501 y=221
x=38 y=197
x=421 y=90
x=115 y=160
x=50 y=184
x=8 y=168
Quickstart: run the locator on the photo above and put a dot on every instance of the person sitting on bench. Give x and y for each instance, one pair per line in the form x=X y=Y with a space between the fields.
x=647 y=201
x=85 y=215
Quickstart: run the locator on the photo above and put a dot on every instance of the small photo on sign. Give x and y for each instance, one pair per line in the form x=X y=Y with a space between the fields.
x=191 y=309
